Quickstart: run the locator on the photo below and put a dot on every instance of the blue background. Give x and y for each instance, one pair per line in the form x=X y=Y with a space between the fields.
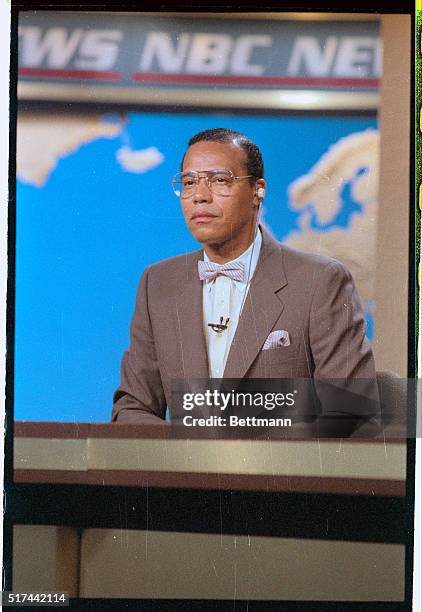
x=84 y=238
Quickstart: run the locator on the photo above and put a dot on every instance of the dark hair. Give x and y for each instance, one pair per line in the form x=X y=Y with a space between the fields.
x=254 y=161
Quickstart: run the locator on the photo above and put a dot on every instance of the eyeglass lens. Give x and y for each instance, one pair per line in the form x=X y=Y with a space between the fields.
x=219 y=182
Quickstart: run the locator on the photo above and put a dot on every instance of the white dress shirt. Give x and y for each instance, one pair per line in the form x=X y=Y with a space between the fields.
x=224 y=297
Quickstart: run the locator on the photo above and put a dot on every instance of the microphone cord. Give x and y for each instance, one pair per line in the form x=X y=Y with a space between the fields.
x=248 y=281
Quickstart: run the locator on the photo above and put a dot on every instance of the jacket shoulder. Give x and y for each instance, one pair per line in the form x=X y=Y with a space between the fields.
x=295 y=258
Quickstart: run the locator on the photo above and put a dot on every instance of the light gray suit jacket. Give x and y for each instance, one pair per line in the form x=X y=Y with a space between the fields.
x=312 y=297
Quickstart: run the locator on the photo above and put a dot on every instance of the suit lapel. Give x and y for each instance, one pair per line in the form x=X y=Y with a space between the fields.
x=189 y=322
x=261 y=309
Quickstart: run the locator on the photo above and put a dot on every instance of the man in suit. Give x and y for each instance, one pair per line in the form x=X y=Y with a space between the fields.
x=244 y=306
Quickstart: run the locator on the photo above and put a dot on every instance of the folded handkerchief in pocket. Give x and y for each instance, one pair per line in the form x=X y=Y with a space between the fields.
x=277 y=339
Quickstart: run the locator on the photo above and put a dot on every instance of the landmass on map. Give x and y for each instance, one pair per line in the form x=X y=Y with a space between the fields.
x=338 y=200
x=139 y=161
x=42 y=143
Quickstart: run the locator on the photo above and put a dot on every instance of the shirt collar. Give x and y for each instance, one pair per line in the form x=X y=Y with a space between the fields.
x=249 y=258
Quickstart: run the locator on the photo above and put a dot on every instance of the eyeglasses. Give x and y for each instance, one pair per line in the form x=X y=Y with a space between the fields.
x=220 y=182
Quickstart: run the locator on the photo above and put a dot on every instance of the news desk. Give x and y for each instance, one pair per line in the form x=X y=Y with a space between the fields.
x=269 y=520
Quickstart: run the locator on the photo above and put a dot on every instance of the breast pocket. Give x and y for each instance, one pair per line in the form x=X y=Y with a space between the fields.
x=282 y=362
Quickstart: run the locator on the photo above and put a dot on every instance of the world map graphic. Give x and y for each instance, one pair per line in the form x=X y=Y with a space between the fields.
x=95 y=207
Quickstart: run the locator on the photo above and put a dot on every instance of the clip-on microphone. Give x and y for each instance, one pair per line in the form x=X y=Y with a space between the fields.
x=219 y=327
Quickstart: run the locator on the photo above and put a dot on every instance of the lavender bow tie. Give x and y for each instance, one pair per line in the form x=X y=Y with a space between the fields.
x=208 y=270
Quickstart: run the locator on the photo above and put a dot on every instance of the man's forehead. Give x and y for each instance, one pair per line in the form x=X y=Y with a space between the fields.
x=225 y=154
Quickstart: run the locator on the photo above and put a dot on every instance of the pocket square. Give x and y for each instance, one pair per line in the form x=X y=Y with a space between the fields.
x=276 y=339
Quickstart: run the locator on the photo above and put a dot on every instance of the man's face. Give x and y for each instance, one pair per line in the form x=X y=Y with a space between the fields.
x=215 y=219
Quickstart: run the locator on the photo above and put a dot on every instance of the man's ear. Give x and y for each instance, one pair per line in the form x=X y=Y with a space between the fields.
x=260 y=189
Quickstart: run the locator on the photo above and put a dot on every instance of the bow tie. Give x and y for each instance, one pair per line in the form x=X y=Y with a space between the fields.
x=208 y=270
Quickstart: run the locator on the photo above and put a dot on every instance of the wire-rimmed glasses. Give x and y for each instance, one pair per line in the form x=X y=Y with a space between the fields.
x=220 y=182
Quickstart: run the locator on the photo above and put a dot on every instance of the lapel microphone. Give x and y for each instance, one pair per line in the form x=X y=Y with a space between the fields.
x=219 y=327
